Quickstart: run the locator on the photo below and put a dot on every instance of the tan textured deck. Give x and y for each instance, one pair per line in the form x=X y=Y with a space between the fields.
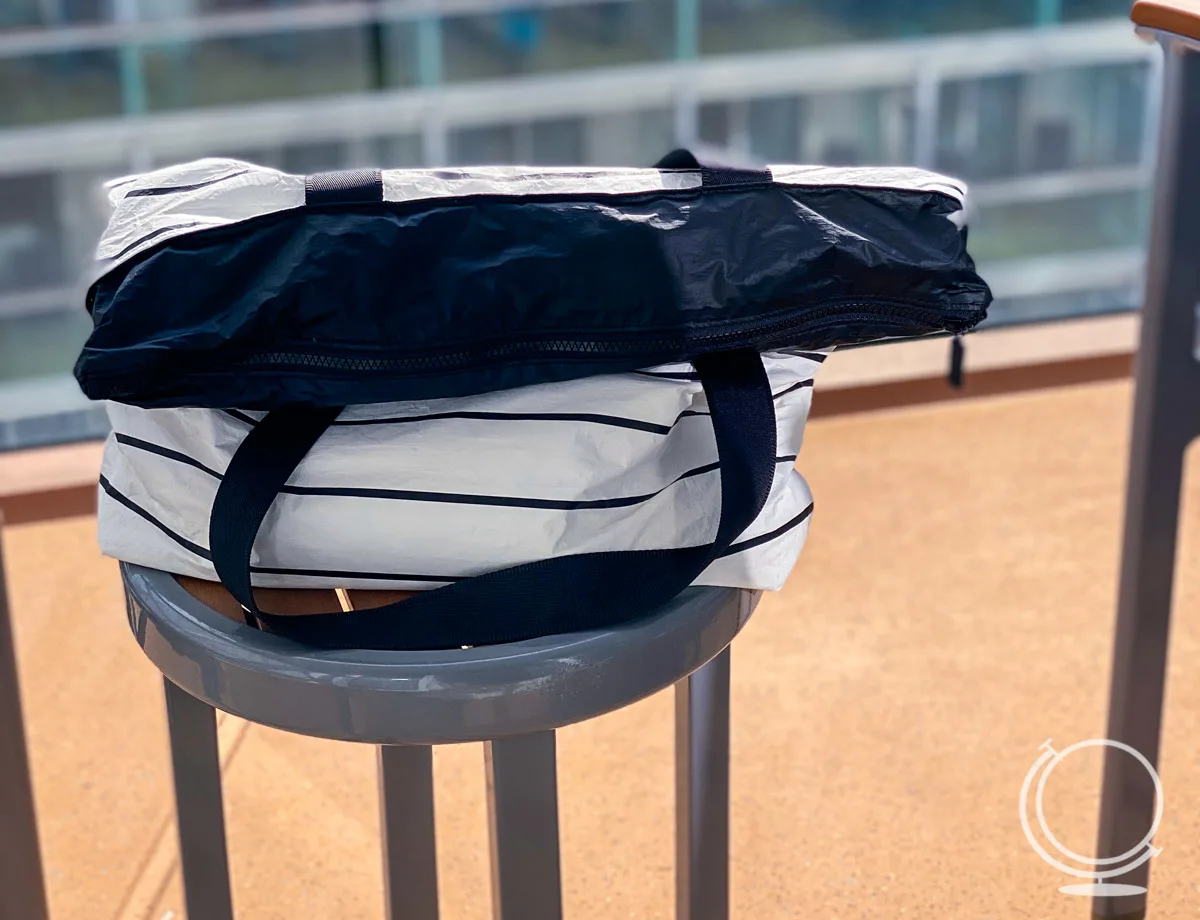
x=952 y=611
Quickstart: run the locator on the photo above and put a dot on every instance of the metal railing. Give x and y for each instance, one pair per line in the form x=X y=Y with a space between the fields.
x=431 y=116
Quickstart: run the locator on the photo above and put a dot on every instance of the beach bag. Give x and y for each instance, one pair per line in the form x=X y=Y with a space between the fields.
x=547 y=400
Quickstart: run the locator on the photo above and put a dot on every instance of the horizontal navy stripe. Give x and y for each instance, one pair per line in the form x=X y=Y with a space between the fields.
x=453 y=498
x=200 y=551
x=795 y=386
x=167 y=452
x=669 y=375
x=585 y=417
x=172 y=189
x=141 y=512
x=203 y=553
x=153 y=234
x=615 y=421
x=505 y=501
x=501 y=501
x=769 y=536
x=337 y=573
x=240 y=416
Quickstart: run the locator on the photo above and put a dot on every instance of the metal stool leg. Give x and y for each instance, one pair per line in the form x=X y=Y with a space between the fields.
x=1166 y=418
x=197 y=765
x=702 y=793
x=22 y=891
x=409 y=842
x=522 y=784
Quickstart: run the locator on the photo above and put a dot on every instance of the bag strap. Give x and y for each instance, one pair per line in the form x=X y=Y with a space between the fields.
x=349 y=186
x=557 y=595
x=712 y=172
x=359 y=186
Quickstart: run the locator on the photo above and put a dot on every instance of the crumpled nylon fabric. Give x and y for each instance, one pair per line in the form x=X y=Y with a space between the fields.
x=218 y=287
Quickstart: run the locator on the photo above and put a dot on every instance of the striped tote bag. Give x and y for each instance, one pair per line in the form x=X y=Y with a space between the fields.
x=545 y=400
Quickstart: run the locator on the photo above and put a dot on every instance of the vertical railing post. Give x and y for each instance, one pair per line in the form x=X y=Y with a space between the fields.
x=687 y=29
x=1166 y=418
x=1049 y=12
x=22 y=888
x=132 y=71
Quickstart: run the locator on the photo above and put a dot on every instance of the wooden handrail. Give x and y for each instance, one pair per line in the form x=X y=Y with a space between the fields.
x=1180 y=17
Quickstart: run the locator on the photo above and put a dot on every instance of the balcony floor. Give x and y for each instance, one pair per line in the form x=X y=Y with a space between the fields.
x=952 y=611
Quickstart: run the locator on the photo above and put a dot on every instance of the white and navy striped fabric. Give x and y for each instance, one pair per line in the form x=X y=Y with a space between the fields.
x=154 y=207
x=412 y=496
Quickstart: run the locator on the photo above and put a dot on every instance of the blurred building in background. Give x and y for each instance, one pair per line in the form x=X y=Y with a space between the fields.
x=1046 y=106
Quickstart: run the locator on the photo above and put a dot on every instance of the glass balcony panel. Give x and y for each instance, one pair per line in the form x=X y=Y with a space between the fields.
x=50 y=14
x=1053 y=120
x=59 y=86
x=31 y=243
x=251 y=68
x=550 y=39
x=1107 y=220
x=756 y=25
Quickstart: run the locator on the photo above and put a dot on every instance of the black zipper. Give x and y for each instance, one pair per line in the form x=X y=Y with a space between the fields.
x=785 y=332
x=763 y=336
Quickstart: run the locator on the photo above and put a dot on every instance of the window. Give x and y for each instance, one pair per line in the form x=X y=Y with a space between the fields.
x=773 y=128
x=549 y=142
x=556 y=142
x=541 y=39
x=839 y=129
x=225 y=6
x=766 y=129
x=398 y=151
x=483 y=146
x=977 y=127
x=49 y=223
x=303 y=159
x=1094 y=9
x=25 y=14
x=1104 y=221
x=44 y=241
x=59 y=86
x=38 y=344
x=31 y=245
x=628 y=138
x=859 y=128
x=396 y=45
x=241 y=69
x=754 y=25
x=1054 y=120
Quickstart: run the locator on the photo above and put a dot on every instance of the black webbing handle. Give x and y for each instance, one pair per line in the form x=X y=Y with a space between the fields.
x=557 y=595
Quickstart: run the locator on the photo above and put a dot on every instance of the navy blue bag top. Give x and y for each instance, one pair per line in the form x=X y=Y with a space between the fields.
x=225 y=284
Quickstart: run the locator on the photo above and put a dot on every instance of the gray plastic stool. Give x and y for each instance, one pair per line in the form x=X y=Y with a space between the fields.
x=510 y=697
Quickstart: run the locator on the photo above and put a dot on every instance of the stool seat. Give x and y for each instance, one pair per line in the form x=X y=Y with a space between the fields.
x=511 y=697
x=425 y=697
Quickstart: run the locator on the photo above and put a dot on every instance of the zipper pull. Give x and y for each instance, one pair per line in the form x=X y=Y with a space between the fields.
x=957 y=353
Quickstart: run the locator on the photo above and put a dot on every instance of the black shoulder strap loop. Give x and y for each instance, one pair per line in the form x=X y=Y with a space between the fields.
x=351 y=186
x=712 y=172
x=557 y=595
